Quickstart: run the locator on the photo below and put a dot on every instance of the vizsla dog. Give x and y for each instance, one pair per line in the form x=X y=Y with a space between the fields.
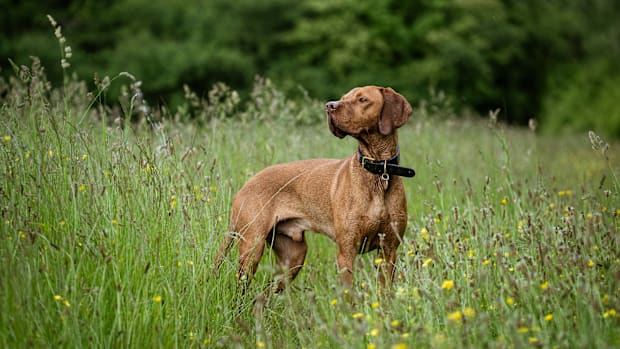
x=358 y=202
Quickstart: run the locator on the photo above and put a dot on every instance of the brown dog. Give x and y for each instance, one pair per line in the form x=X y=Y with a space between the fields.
x=358 y=202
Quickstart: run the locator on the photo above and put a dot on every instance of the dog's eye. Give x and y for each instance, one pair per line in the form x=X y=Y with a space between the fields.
x=363 y=99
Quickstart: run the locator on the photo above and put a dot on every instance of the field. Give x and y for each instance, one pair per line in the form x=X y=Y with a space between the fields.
x=109 y=227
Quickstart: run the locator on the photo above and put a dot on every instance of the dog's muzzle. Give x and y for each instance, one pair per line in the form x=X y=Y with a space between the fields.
x=330 y=108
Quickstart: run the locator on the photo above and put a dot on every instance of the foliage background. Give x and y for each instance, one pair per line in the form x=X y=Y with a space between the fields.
x=109 y=227
x=555 y=61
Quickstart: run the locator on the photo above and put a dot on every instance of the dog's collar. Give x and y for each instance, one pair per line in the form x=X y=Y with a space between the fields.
x=385 y=168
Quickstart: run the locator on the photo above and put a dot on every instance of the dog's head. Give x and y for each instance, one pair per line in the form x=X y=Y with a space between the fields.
x=368 y=109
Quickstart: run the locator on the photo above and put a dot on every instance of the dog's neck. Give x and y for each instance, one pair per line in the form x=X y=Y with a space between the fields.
x=382 y=159
x=379 y=147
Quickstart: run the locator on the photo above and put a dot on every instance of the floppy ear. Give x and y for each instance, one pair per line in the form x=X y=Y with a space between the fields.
x=396 y=111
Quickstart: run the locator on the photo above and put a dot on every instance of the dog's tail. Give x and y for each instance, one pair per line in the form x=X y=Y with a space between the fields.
x=225 y=246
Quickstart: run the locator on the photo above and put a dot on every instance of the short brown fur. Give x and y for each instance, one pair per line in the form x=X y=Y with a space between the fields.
x=338 y=198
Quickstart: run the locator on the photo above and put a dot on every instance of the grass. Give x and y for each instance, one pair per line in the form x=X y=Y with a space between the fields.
x=109 y=228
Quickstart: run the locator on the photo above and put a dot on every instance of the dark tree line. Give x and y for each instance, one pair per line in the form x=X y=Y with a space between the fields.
x=556 y=61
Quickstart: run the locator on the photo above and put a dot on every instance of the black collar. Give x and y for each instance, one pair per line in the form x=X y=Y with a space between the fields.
x=385 y=168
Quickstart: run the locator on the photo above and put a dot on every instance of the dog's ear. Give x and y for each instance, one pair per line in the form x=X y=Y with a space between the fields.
x=396 y=111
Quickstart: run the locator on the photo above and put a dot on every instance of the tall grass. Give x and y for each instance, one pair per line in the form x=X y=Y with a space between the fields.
x=109 y=228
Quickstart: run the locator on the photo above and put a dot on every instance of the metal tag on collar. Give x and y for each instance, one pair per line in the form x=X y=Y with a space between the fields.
x=385 y=176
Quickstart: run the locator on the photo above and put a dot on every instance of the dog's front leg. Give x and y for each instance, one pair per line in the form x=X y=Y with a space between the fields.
x=345 y=259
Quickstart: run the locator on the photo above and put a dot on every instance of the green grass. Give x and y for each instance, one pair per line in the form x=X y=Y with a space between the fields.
x=108 y=233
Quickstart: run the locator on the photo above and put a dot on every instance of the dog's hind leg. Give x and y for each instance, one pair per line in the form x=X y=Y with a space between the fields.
x=290 y=253
x=250 y=253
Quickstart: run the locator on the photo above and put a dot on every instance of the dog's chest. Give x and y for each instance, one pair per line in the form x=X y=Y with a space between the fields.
x=377 y=220
x=374 y=218
x=377 y=212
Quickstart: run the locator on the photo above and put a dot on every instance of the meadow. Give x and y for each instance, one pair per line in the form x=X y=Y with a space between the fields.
x=111 y=219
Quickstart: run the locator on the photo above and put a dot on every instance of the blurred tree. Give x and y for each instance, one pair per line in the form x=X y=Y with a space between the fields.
x=455 y=46
x=530 y=58
x=582 y=82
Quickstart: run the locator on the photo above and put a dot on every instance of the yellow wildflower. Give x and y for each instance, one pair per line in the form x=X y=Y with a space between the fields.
x=82 y=187
x=260 y=344
x=447 y=285
x=427 y=262
x=548 y=317
x=374 y=332
x=605 y=299
x=610 y=313
x=590 y=263
x=486 y=262
x=57 y=297
x=532 y=340
x=157 y=299
x=510 y=301
x=371 y=346
x=399 y=346
x=455 y=316
x=469 y=312
x=504 y=201
x=523 y=329
x=357 y=315
x=375 y=305
x=424 y=234
x=379 y=261
x=7 y=138
x=544 y=285
x=333 y=301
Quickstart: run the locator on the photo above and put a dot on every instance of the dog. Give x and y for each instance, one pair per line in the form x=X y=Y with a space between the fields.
x=359 y=202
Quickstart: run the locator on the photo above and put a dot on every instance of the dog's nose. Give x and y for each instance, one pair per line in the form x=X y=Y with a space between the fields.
x=333 y=105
